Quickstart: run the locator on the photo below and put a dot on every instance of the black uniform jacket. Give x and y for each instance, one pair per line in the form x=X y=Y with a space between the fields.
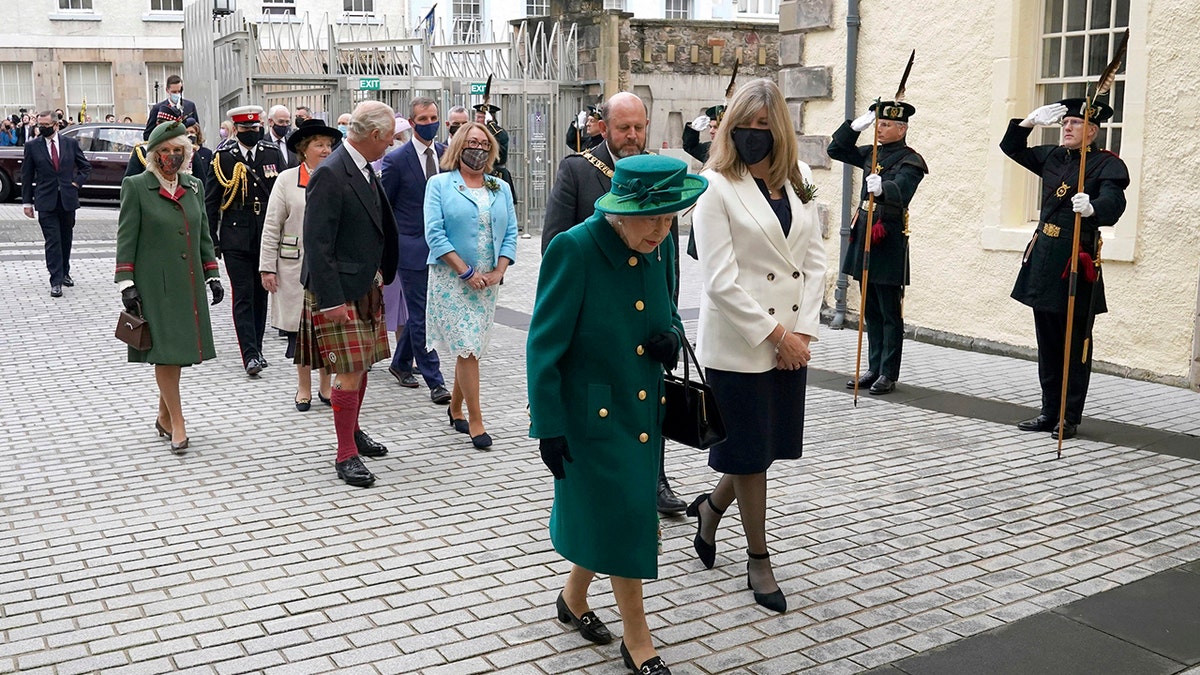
x=239 y=226
x=693 y=146
x=903 y=169
x=1041 y=283
x=578 y=140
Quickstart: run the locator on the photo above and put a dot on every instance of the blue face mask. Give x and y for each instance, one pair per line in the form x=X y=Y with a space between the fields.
x=342 y=128
x=176 y=98
x=427 y=131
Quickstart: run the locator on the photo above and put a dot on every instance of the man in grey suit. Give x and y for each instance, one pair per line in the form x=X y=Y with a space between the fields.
x=582 y=179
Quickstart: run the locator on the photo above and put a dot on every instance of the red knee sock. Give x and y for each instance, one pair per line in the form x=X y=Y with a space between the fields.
x=362 y=393
x=345 y=421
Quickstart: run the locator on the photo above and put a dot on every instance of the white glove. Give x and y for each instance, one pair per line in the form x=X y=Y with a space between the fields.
x=1081 y=203
x=581 y=120
x=1045 y=116
x=875 y=184
x=864 y=122
x=701 y=123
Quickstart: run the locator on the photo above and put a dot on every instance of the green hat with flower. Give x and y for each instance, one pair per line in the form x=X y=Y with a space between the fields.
x=651 y=185
x=165 y=132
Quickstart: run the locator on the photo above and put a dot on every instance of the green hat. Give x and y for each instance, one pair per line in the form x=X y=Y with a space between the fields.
x=715 y=112
x=651 y=185
x=165 y=132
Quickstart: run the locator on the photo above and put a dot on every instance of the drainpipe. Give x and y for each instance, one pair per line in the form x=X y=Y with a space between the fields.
x=848 y=194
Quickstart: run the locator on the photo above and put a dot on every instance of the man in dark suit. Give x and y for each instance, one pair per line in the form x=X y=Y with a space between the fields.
x=350 y=252
x=174 y=108
x=405 y=171
x=52 y=172
x=235 y=195
x=280 y=121
x=584 y=178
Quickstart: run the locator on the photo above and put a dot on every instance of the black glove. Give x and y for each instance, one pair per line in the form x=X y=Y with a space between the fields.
x=218 y=292
x=132 y=300
x=554 y=451
x=664 y=348
x=217 y=252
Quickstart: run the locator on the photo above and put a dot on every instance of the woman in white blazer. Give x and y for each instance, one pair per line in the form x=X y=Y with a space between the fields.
x=281 y=253
x=763 y=261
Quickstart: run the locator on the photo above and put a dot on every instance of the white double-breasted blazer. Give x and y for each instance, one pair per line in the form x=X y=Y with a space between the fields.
x=754 y=277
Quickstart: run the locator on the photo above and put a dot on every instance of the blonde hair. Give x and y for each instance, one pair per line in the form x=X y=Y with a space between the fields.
x=745 y=105
x=458 y=143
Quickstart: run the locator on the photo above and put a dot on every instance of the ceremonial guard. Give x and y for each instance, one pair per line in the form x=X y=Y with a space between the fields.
x=709 y=121
x=1042 y=282
x=892 y=181
x=485 y=114
x=242 y=176
x=584 y=132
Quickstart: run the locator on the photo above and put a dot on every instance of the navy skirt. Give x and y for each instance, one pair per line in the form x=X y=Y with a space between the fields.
x=763 y=415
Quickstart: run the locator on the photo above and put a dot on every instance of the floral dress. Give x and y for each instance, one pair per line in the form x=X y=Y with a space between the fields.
x=458 y=318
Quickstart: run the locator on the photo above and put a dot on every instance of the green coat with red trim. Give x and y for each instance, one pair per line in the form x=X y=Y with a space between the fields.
x=163 y=246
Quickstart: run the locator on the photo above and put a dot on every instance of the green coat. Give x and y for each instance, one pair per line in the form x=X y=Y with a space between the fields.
x=588 y=382
x=165 y=249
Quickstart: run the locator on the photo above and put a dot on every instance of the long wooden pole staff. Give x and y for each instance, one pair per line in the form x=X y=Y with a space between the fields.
x=1102 y=86
x=866 y=268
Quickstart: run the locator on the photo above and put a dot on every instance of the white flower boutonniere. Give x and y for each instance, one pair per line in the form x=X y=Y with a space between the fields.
x=491 y=184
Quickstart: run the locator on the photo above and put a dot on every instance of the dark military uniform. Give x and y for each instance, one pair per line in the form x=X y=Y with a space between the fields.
x=1042 y=282
x=692 y=144
x=578 y=140
x=901 y=169
x=500 y=170
x=236 y=200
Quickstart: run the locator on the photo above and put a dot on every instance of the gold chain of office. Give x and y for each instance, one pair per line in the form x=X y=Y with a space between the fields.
x=230 y=184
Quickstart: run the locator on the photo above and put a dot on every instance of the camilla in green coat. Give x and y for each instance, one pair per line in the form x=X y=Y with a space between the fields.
x=603 y=328
x=164 y=259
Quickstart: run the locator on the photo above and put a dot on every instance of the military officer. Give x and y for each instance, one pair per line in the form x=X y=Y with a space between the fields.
x=1042 y=282
x=485 y=114
x=584 y=132
x=709 y=121
x=242 y=175
x=893 y=181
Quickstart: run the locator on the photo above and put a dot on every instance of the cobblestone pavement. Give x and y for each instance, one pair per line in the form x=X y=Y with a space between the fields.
x=899 y=531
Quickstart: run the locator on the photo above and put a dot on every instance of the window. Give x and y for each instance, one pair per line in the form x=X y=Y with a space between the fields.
x=468 y=21
x=678 y=9
x=537 y=7
x=759 y=7
x=156 y=80
x=90 y=85
x=166 y=5
x=77 y=5
x=1078 y=40
x=116 y=140
x=614 y=4
x=278 y=6
x=16 y=88
x=358 y=6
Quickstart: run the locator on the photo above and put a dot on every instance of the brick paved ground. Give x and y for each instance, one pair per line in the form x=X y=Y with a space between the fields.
x=901 y=529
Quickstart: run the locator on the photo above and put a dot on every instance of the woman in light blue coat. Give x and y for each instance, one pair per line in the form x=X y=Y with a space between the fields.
x=471 y=228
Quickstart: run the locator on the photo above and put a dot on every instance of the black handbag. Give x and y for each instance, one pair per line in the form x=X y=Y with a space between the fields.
x=691 y=415
x=133 y=330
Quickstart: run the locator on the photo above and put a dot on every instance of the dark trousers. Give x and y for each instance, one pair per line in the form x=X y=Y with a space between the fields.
x=58 y=227
x=249 y=302
x=412 y=343
x=1051 y=330
x=884 y=320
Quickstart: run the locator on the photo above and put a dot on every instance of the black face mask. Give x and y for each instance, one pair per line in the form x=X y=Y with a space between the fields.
x=753 y=145
x=250 y=138
x=281 y=129
x=46 y=130
x=454 y=128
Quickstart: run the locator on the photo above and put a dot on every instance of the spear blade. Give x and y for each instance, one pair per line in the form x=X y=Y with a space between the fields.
x=732 y=79
x=487 y=91
x=1109 y=76
x=904 y=79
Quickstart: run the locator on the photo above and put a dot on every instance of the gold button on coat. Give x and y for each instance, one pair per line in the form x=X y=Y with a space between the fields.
x=633 y=261
x=644 y=437
x=663 y=400
x=639 y=305
x=642 y=395
x=604 y=412
x=640 y=350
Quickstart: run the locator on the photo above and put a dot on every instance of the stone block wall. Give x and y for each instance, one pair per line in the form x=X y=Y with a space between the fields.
x=668 y=47
x=800 y=79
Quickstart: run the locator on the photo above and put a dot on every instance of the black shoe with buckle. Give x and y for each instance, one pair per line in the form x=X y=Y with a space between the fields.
x=668 y=504
x=367 y=446
x=1039 y=423
x=590 y=626
x=651 y=666
x=355 y=473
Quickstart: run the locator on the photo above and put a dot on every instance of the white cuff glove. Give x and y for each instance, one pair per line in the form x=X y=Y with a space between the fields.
x=1081 y=203
x=875 y=184
x=122 y=285
x=701 y=123
x=1045 y=116
x=864 y=122
x=581 y=120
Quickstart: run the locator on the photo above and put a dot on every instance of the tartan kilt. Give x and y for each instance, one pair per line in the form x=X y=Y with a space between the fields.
x=350 y=347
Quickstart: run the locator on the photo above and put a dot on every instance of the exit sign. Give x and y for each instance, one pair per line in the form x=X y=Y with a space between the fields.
x=368 y=83
x=477 y=88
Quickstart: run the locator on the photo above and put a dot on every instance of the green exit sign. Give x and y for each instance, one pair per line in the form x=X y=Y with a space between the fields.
x=368 y=83
x=477 y=88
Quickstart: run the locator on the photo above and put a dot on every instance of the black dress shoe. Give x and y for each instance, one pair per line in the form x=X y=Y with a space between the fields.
x=367 y=446
x=1068 y=430
x=68 y=281
x=355 y=473
x=867 y=379
x=884 y=385
x=460 y=425
x=253 y=367
x=404 y=378
x=773 y=601
x=263 y=360
x=56 y=291
x=668 y=504
x=705 y=551
x=439 y=395
x=482 y=441
x=652 y=666
x=590 y=626
x=324 y=399
x=1039 y=423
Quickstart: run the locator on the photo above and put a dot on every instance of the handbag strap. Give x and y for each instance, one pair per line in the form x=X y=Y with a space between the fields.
x=688 y=354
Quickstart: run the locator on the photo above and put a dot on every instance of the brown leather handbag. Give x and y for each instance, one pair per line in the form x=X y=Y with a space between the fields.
x=133 y=330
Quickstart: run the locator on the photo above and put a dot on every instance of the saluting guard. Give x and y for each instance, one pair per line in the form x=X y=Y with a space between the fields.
x=710 y=121
x=585 y=133
x=485 y=114
x=243 y=174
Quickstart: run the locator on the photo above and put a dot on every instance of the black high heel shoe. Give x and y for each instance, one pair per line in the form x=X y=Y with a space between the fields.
x=772 y=601
x=461 y=426
x=590 y=626
x=161 y=430
x=652 y=666
x=707 y=552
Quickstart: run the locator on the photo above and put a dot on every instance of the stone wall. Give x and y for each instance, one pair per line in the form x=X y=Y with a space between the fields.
x=666 y=47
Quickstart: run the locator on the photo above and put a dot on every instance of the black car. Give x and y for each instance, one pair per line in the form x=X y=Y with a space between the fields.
x=107 y=147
